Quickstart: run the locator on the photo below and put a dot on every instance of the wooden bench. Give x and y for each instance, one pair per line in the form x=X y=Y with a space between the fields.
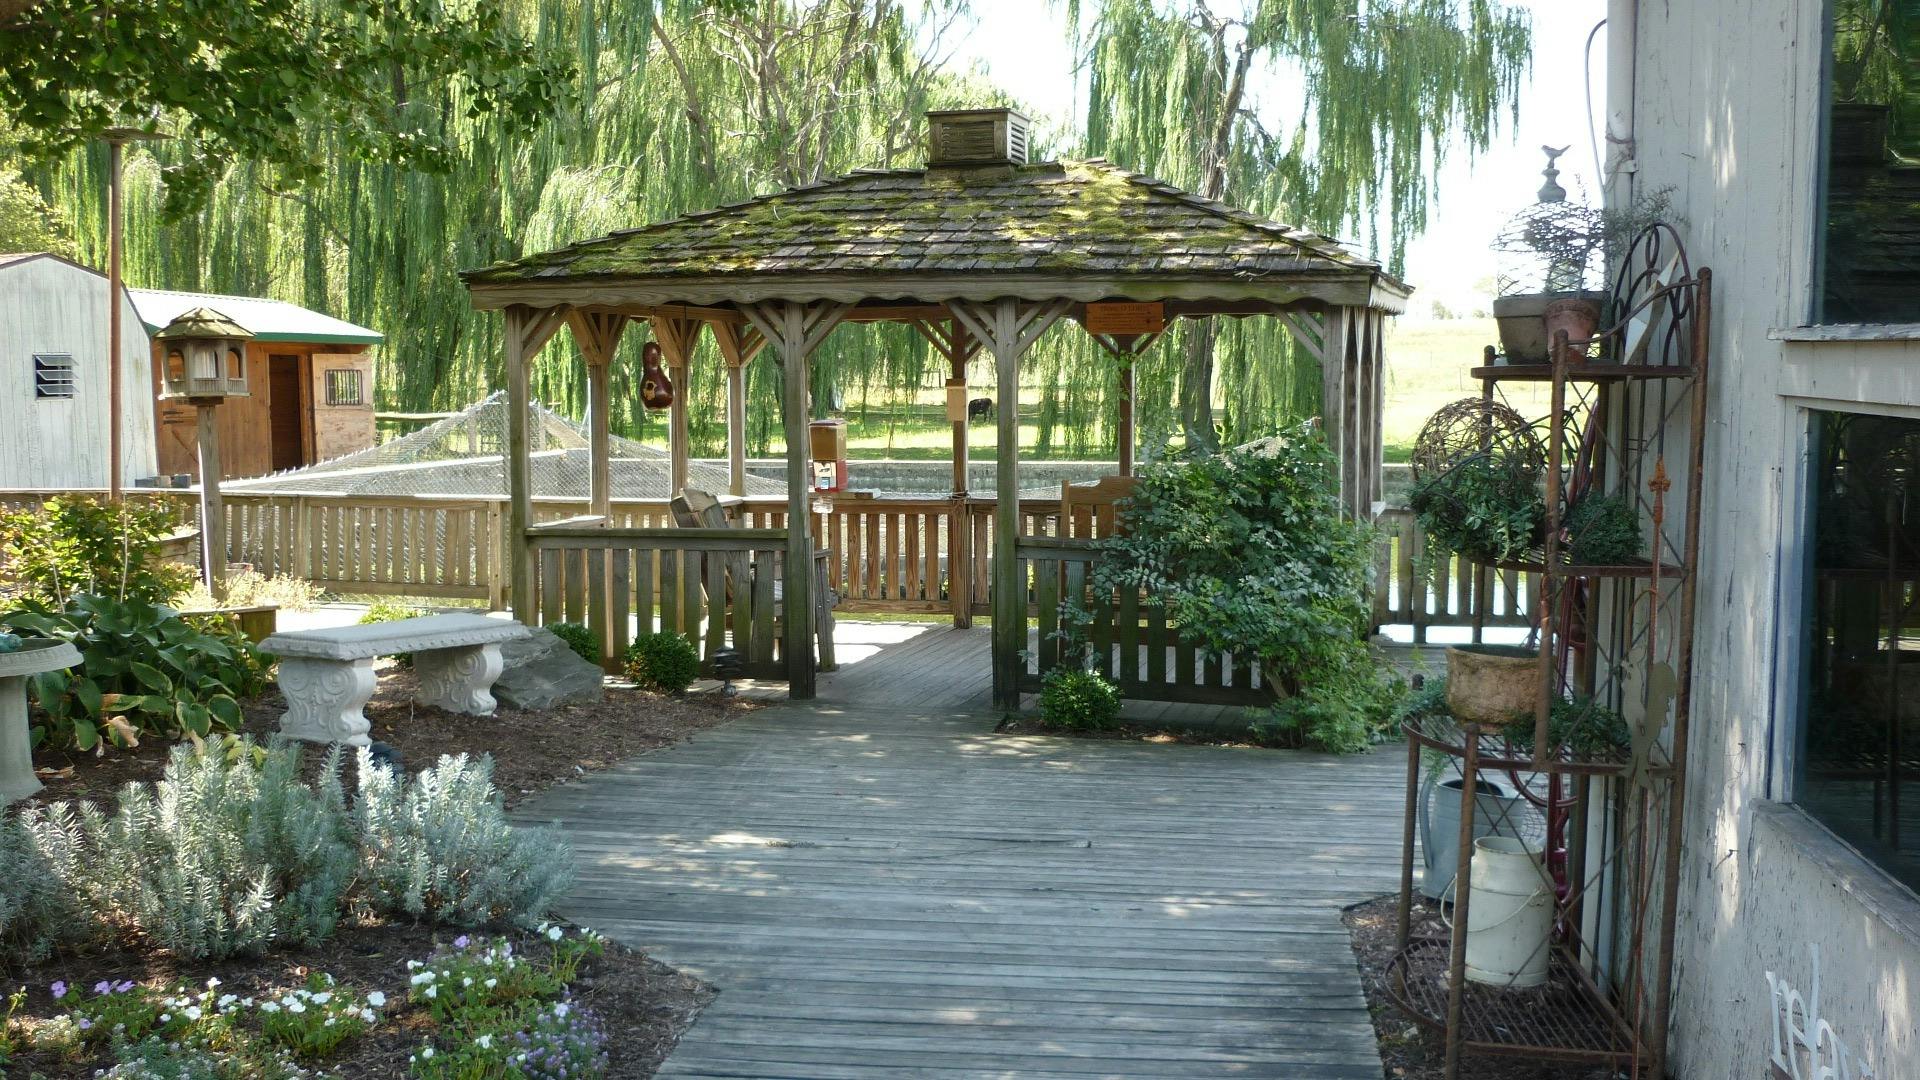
x=327 y=675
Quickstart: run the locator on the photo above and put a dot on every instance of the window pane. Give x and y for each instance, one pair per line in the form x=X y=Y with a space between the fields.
x=1861 y=757
x=1871 y=247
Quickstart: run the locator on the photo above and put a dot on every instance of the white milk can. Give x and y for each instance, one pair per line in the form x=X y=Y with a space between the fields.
x=1509 y=913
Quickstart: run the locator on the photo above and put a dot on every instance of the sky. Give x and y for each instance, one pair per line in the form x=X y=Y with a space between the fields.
x=1022 y=45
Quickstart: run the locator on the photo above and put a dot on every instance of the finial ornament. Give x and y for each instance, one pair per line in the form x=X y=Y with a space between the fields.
x=1551 y=191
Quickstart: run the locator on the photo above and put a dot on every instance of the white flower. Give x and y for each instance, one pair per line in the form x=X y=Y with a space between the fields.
x=484 y=1042
x=560 y=1010
x=322 y=998
x=432 y=991
x=211 y=983
x=377 y=999
x=423 y=977
x=426 y=1053
x=490 y=983
x=329 y=1022
x=270 y=1006
x=193 y=1012
x=366 y=1015
x=296 y=1006
x=554 y=934
x=468 y=981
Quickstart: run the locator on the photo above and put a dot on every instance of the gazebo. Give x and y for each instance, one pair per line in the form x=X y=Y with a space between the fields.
x=979 y=249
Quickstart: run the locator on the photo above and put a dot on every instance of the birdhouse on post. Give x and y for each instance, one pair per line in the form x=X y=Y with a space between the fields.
x=206 y=357
x=206 y=363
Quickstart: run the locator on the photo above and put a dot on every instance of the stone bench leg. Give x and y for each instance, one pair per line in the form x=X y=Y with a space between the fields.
x=459 y=680
x=325 y=699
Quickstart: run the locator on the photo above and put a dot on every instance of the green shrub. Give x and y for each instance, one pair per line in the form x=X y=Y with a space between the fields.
x=392 y=611
x=1585 y=727
x=228 y=854
x=1252 y=554
x=1604 y=530
x=584 y=642
x=663 y=661
x=1481 y=508
x=249 y=589
x=73 y=544
x=439 y=847
x=1077 y=700
x=37 y=911
x=143 y=671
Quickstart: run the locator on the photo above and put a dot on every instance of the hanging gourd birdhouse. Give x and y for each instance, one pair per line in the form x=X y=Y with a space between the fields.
x=205 y=357
x=656 y=390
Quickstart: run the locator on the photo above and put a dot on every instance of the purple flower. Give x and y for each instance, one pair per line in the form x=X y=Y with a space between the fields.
x=102 y=987
x=462 y=941
x=85 y=1024
x=59 y=989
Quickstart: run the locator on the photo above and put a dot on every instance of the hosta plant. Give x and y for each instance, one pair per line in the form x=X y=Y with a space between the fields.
x=143 y=671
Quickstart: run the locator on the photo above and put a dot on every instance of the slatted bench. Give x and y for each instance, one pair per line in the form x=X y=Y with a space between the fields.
x=327 y=675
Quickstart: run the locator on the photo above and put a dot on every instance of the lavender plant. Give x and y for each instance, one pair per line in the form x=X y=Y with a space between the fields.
x=439 y=846
x=36 y=910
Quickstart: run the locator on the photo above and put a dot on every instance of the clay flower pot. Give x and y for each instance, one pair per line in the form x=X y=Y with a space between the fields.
x=1577 y=316
x=1491 y=684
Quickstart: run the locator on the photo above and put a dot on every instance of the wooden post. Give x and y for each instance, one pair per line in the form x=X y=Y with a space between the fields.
x=1007 y=328
x=527 y=329
x=738 y=347
x=597 y=333
x=115 y=406
x=213 y=521
x=1335 y=392
x=794 y=331
x=678 y=336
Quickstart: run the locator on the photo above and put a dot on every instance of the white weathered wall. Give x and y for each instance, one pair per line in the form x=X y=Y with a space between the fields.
x=50 y=306
x=1728 y=96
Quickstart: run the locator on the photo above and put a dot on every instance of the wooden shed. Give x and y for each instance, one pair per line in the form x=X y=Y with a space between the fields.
x=54 y=377
x=310 y=387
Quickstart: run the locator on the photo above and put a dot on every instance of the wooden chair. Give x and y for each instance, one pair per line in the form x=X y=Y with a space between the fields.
x=1091 y=510
x=697 y=509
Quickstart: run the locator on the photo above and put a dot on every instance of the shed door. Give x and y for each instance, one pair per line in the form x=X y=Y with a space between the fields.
x=283 y=402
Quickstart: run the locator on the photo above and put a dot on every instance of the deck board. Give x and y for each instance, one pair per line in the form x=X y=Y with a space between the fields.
x=880 y=886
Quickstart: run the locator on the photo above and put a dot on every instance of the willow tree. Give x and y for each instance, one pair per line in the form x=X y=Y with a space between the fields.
x=1384 y=87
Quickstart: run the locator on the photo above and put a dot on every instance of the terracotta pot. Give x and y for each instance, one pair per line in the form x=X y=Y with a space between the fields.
x=1491 y=684
x=1522 y=321
x=1577 y=316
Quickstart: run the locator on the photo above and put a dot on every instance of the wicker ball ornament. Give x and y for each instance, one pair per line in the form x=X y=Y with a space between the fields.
x=1471 y=427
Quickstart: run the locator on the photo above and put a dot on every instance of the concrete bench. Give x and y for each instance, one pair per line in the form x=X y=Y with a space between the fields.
x=327 y=675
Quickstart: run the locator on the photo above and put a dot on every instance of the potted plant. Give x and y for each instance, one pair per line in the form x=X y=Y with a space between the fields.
x=1555 y=280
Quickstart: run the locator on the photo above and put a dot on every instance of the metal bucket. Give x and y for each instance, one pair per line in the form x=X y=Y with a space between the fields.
x=1497 y=811
x=1509 y=913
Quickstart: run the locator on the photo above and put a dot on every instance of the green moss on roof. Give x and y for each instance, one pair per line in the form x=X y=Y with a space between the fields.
x=1079 y=217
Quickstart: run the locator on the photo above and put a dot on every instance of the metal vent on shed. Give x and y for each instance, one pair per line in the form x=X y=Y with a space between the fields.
x=52 y=375
x=976 y=137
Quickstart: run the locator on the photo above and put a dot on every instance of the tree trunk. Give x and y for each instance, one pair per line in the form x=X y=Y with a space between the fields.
x=1196 y=386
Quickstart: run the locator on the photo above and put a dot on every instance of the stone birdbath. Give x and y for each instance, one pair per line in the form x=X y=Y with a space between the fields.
x=16 y=750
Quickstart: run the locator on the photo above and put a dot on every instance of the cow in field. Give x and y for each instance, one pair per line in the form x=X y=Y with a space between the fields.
x=980 y=408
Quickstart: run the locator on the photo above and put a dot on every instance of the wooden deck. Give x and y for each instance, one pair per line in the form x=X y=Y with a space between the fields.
x=882 y=887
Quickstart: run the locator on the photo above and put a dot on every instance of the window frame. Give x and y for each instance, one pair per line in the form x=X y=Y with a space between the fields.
x=328 y=386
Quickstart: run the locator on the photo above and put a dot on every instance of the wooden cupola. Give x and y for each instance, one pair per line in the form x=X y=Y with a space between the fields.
x=968 y=137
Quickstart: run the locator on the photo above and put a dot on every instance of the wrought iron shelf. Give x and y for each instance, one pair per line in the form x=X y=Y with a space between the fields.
x=1588 y=372
x=1669 y=571
x=1567 y=1019
x=1495 y=751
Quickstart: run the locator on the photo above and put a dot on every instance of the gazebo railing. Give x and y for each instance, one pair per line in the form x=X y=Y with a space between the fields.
x=906 y=556
x=715 y=587
x=1125 y=630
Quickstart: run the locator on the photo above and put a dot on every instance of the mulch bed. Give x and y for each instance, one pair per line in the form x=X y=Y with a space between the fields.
x=644 y=1006
x=1409 y=1050
x=531 y=750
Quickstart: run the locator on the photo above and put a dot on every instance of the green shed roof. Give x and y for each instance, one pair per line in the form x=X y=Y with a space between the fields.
x=268 y=320
x=1082 y=221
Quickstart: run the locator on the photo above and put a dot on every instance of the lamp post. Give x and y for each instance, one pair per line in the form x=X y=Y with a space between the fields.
x=205 y=364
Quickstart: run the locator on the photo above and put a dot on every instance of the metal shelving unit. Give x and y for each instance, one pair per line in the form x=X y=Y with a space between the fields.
x=1628 y=405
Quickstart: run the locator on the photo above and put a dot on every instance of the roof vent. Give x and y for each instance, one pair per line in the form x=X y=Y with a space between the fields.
x=976 y=137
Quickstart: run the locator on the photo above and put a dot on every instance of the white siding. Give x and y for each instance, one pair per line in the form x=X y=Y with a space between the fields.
x=1728 y=95
x=51 y=306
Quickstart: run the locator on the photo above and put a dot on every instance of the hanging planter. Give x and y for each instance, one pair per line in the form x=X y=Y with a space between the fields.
x=656 y=390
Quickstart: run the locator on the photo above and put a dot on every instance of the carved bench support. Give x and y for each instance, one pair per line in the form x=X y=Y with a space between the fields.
x=325 y=699
x=459 y=680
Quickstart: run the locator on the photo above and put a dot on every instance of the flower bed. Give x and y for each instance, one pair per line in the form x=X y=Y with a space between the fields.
x=357 y=1007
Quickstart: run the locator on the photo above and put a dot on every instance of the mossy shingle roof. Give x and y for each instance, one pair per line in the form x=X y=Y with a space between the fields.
x=1053 y=220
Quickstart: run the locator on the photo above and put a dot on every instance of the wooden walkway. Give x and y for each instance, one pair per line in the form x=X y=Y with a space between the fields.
x=884 y=888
